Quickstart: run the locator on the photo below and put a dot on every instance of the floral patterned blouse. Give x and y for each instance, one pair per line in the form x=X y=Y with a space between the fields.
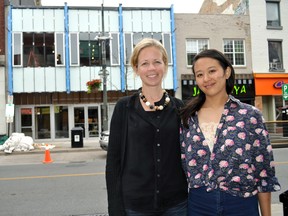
x=241 y=161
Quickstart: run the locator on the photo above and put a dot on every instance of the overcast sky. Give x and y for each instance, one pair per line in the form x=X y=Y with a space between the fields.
x=180 y=6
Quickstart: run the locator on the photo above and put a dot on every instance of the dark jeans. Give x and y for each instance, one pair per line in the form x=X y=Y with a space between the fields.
x=178 y=210
x=218 y=203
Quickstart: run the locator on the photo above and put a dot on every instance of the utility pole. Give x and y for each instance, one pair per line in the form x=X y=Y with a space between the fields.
x=104 y=73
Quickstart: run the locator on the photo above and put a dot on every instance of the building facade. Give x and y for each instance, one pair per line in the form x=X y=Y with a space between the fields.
x=269 y=39
x=228 y=32
x=51 y=60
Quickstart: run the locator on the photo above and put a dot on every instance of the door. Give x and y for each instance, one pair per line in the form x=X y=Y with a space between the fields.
x=26 y=116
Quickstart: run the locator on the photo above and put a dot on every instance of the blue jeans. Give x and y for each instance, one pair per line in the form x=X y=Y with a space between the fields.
x=178 y=210
x=218 y=203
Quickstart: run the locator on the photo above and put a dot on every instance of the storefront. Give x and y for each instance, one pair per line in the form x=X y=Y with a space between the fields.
x=268 y=90
x=244 y=89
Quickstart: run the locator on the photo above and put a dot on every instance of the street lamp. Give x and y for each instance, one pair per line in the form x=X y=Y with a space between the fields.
x=103 y=72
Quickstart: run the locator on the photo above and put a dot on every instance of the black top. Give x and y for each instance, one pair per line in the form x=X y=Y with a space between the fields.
x=151 y=176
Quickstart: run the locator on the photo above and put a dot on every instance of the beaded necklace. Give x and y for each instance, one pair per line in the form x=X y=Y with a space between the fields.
x=152 y=106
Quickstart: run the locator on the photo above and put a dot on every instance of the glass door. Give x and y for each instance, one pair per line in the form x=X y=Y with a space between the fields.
x=27 y=121
x=93 y=125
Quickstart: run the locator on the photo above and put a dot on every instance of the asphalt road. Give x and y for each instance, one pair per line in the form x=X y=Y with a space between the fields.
x=74 y=184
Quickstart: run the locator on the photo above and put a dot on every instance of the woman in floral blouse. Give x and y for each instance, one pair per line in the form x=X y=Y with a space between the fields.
x=226 y=151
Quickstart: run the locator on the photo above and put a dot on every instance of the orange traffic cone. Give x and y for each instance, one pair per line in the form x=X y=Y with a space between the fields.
x=47 y=158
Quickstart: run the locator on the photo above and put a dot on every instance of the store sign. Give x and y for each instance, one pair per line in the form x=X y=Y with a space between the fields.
x=239 y=90
x=285 y=91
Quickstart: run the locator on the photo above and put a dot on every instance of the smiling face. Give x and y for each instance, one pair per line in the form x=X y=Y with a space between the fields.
x=211 y=77
x=150 y=66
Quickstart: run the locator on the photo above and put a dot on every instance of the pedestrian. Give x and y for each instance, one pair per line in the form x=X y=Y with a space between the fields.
x=144 y=174
x=225 y=146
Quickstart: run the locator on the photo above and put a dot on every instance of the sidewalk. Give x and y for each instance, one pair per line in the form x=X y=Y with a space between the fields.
x=62 y=146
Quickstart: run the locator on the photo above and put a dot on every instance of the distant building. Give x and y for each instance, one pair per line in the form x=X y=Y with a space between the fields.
x=52 y=52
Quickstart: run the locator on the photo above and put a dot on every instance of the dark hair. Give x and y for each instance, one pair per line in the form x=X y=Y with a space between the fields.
x=195 y=104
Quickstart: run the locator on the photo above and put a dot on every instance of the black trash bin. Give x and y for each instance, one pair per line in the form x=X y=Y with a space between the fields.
x=77 y=137
x=285 y=124
x=283 y=197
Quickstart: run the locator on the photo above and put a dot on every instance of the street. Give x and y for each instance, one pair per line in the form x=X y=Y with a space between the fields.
x=74 y=184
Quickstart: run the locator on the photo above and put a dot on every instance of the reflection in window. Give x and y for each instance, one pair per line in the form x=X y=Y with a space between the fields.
x=90 y=50
x=38 y=50
x=235 y=52
x=275 y=55
x=42 y=122
x=273 y=14
x=193 y=47
x=17 y=49
x=61 y=122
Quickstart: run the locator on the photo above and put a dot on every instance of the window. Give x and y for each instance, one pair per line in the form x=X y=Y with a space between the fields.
x=17 y=49
x=234 y=51
x=38 y=50
x=273 y=14
x=90 y=50
x=193 y=47
x=60 y=51
x=275 y=55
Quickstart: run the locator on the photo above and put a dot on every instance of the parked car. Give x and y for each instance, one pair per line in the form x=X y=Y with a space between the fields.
x=103 y=140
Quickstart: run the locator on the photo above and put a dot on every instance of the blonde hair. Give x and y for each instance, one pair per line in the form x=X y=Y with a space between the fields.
x=144 y=43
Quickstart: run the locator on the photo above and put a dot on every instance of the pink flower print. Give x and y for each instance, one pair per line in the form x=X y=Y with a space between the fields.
x=230 y=171
x=231 y=128
x=230 y=118
x=236 y=179
x=224 y=132
x=247 y=195
x=239 y=151
x=196 y=138
x=263 y=173
x=255 y=192
x=183 y=144
x=242 y=135
x=189 y=149
x=258 y=130
x=264 y=183
x=269 y=148
x=259 y=158
x=188 y=174
x=253 y=120
x=229 y=142
x=183 y=156
x=220 y=179
x=222 y=148
x=224 y=188
x=265 y=133
x=201 y=152
x=253 y=167
x=180 y=130
x=256 y=143
x=223 y=163
x=198 y=176
x=243 y=111
x=244 y=166
x=212 y=156
x=240 y=124
x=198 y=130
x=250 y=170
x=188 y=134
x=205 y=167
x=205 y=142
x=247 y=147
x=272 y=164
x=192 y=162
x=220 y=126
x=233 y=105
x=210 y=174
x=225 y=112
x=250 y=177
